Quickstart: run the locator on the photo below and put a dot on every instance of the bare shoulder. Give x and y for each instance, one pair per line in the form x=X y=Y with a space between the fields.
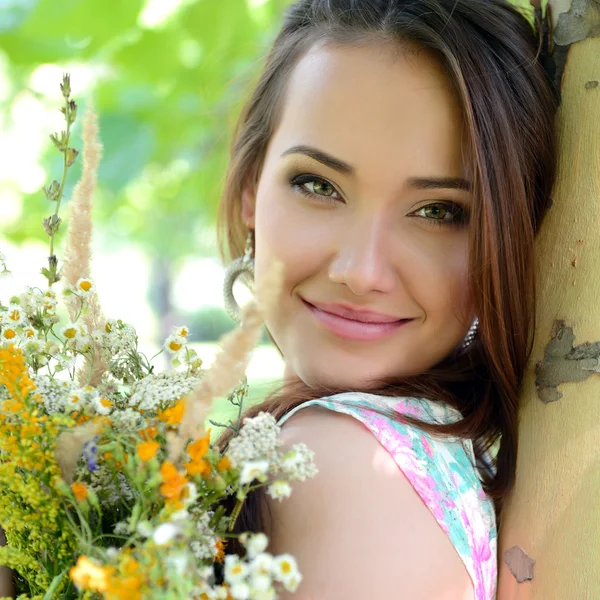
x=358 y=528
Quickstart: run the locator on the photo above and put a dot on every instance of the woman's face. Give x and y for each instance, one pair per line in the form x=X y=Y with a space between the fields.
x=345 y=200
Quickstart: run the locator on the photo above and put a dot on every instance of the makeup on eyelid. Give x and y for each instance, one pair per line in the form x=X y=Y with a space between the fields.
x=298 y=181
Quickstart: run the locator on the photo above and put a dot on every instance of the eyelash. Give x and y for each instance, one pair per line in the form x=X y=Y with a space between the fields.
x=297 y=184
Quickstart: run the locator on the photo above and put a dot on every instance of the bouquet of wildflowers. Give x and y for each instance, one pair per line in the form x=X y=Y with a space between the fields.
x=109 y=484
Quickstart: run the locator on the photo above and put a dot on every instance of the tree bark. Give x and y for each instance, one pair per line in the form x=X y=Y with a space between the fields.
x=549 y=545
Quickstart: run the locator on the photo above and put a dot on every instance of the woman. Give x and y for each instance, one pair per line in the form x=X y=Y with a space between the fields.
x=398 y=156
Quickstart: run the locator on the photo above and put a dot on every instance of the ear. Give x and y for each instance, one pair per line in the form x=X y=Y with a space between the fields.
x=248 y=203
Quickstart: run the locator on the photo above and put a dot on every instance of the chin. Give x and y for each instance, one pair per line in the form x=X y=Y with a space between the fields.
x=316 y=376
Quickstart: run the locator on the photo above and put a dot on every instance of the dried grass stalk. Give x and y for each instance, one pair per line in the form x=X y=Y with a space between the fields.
x=78 y=252
x=230 y=364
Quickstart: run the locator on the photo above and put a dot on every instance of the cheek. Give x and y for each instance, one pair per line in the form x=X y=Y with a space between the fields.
x=289 y=232
x=438 y=272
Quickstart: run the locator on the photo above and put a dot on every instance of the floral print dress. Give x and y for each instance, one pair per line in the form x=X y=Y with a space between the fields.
x=441 y=469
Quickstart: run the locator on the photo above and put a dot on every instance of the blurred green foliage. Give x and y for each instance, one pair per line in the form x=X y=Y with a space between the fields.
x=210 y=323
x=167 y=95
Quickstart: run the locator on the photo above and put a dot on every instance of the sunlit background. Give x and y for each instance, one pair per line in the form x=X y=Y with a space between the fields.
x=167 y=78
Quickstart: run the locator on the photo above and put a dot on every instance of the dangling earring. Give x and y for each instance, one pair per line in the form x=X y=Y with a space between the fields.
x=470 y=334
x=241 y=265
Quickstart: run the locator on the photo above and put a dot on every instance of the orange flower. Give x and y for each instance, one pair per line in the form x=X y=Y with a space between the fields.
x=149 y=433
x=124 y=588
x=173 y=482
x=223 y=463
x=147 y=450
x=88 y=576
x=199 y=448
x=173 y=414
x=198 y=467
x=80 y=491
x=220 y=555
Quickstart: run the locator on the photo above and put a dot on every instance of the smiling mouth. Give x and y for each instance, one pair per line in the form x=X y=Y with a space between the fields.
x=352 y=329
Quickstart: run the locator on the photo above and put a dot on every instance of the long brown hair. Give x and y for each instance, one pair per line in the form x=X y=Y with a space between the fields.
x=491 y=54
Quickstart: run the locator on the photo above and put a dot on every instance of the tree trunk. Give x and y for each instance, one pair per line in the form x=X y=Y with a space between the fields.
x=549 y=546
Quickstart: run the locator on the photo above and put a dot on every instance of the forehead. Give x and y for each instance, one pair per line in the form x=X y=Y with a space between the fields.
x=371 y=105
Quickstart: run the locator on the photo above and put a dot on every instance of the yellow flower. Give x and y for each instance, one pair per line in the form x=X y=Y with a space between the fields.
x=88 y=576
x=173 y=414
x=9 y=334
x=13 y=372
x=80 y=491
x=147 y=450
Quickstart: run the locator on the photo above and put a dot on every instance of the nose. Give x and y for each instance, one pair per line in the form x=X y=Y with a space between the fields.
x=362 y=260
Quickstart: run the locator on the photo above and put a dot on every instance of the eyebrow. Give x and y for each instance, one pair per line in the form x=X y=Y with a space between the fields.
x=419 y=183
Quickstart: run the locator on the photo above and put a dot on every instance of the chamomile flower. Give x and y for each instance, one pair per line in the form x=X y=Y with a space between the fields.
x=182 y=332
x=97 y=336
x=261 y=583
x=256 y=544
x=70 y=331
x=29 y=333
x=174 y=344
x=285 y=569
x=267 y=594
x=75 y=400
x=103 y=406
x=84 y=287
x=240 y=591
x=14 y=315
x=9 y=333
x=254 y=469
x=279 y=490
x=262 y=564
x=235 y=569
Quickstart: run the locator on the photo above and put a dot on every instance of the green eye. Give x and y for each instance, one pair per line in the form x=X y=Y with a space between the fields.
x=444 y=213
x=321 y=188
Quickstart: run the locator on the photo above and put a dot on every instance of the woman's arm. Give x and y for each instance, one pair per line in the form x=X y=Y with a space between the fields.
x=359 y=529
x=6 y=585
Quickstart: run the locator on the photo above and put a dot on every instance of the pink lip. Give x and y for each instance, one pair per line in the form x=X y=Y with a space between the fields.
x=353 y=329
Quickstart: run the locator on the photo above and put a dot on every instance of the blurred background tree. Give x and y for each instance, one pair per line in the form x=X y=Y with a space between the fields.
x=167 y=78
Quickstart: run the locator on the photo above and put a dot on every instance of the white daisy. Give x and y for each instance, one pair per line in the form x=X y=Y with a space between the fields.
x=279 y=490
x=84 y=287
x=254 y=469
x=235 y=569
